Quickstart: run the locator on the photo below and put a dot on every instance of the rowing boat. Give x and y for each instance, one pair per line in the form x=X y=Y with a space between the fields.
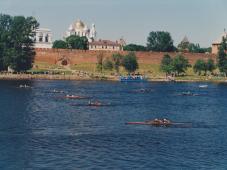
x=155 y=124
x=74 y=97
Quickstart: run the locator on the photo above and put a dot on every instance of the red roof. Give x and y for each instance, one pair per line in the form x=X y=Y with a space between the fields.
x=105 y=43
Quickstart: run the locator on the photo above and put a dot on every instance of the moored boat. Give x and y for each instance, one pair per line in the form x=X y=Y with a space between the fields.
x=203 y=86
x=137 y=78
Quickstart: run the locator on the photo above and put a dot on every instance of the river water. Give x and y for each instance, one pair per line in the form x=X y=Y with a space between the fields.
x=39 y=129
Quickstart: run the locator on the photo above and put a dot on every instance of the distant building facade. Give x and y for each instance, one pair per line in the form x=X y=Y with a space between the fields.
x=80 y=29
x=105 y=45
x=43 y=38
x=216 y=44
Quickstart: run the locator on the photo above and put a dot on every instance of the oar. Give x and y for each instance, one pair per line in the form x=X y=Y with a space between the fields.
x=138 y=123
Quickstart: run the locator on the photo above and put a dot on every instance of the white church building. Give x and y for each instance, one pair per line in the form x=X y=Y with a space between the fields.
x=43 y=38
x=80 y=29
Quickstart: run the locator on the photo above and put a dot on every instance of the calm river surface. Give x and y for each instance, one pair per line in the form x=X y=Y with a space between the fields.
x=40 y=129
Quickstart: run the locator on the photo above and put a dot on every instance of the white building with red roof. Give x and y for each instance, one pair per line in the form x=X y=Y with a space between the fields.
x=106 y=45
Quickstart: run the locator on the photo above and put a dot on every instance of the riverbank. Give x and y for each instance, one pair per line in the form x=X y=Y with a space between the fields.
x=45 y=77
x=9 y=76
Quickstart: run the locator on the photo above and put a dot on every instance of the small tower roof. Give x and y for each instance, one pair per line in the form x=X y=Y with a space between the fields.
x=185 y=40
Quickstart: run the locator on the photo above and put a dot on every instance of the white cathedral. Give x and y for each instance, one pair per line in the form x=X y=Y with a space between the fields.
x=80 y=29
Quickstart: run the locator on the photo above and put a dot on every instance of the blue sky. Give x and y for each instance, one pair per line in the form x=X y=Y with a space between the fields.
x=203 y=21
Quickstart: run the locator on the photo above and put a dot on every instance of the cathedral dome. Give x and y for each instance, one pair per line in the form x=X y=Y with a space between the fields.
x=79 y=25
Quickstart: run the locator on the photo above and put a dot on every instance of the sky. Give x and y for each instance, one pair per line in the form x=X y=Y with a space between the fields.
x=202 y=21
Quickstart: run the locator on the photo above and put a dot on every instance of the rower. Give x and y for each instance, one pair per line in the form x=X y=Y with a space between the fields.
x=156 y=122
x=166 y=121
x=96 y=103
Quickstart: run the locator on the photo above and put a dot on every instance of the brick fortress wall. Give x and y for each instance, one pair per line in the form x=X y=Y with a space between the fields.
x=53 y=56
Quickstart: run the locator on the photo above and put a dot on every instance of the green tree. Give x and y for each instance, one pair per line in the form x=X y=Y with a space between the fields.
x=210 y=65
x=130 y=63
x=60 y=44
x=5 y=26
x=160 y=41
x=134 y=47
x=195 y=48
x=166 y=64
x=117 y=60
x=180 y=64
x=184 y=44
x=200 y=66
x=77 y=42
x=222 y=57
x=107 y=64
x=208 y=50
x=99 y=65
x=17 y=40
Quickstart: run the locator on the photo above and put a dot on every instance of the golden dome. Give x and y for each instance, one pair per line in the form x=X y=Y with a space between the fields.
x=79 y=24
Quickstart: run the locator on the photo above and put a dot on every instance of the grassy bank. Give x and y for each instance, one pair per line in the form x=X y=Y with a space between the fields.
x=89 y=72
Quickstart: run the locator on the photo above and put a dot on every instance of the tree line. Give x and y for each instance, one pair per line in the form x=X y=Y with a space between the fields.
x=161 y=41
x=72 y=42
x=203 y=66
x=128 y=62
x=179 y=64
x=222 y=57
x=174 y=66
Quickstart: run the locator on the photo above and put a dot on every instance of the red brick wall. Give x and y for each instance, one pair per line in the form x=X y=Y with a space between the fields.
x=79 y=56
